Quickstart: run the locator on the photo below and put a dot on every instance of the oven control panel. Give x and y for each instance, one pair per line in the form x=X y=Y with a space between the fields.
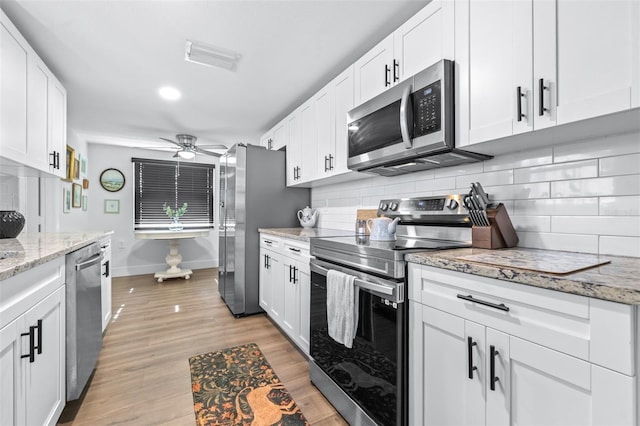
x=447 y=208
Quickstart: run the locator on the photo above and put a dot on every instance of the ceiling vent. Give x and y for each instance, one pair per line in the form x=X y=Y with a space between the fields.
x=211 y=56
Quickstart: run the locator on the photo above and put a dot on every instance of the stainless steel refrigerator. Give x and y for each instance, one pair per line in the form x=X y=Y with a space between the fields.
x=253 y=194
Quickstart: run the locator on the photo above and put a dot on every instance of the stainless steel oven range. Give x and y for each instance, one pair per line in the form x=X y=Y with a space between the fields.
x=367 y=383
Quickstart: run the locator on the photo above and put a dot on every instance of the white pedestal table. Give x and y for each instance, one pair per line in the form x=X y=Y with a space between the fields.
x=174 y=258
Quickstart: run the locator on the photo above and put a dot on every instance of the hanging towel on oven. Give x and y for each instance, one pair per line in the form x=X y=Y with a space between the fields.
x=342 y=307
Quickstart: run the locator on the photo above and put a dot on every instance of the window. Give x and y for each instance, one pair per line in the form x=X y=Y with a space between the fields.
x=172 y=182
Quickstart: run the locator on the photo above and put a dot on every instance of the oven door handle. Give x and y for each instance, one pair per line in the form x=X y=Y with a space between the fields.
x=380 y=288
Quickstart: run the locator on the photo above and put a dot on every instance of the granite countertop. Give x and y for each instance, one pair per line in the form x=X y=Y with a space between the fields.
x=616 y=281
x=304 y=234
x=30 y=250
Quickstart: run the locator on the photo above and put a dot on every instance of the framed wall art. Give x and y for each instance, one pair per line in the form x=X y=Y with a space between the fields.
x=76 y=168
x=83 y=166
x=76 y=195
x=84 y=203
x=112 y=206
x=112 y=180
x=66 y=200
x=71 y=158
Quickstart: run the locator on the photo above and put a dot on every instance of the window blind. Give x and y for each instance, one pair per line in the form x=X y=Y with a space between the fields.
x=158 y=182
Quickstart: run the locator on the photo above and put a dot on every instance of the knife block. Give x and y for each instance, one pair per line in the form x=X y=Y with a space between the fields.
x=500 y=234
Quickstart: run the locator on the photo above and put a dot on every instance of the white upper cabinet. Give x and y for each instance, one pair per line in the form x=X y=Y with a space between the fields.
x=596 y=47
x=14 y=62
x=528 y=65
x=294 y=149
x=277 y=137
x=33 y=106
x=332 y=104
x=301 y=148
x=421 y=41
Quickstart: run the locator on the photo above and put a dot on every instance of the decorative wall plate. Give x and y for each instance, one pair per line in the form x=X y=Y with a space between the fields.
x=112 y=180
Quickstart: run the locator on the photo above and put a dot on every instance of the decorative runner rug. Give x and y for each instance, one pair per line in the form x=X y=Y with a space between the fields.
x=237 y=386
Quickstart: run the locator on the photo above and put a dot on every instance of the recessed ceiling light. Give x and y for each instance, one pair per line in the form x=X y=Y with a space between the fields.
x=169 y=93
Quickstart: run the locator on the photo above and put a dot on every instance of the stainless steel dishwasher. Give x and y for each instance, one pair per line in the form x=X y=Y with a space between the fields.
x=84 y=316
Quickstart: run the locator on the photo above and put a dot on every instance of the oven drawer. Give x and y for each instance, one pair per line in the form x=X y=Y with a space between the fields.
x=594 y=330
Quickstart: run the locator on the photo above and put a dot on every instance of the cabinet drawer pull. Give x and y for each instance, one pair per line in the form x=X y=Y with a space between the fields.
x=541 y=89
x=470 y=298
x=492 y=367
x=294 y=249
x=470 y=345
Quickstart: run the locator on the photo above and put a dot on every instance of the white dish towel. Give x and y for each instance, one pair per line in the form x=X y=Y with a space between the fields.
x=342 y=307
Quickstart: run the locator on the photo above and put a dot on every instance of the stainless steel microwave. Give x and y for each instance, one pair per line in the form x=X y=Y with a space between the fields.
x=409 y=127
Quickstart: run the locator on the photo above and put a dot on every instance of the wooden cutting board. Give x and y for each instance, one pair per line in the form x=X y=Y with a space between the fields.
x=366 y=214
x=552 y=262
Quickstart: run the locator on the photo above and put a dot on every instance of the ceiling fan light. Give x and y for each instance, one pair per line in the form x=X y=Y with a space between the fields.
x=187 y=155
x=210 y=56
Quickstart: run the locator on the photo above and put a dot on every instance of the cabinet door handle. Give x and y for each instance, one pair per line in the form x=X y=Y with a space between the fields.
x=53 y=159
x=541 y=89
x=470 y=298
x=330 y=162
x=326 y=159
x=470 y=345
x=264 y=261
x=387 y=71
x=39 y=330
x=492 y=367
x=32 y=350
x=520 y=95
x=396 y=70
x=295 y=274
x=106 y=268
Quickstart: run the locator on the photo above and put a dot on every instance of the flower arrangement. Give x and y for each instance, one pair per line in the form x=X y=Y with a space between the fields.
x=175 y=214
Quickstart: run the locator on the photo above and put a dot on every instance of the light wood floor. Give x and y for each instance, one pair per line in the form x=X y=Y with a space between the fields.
x=142 y=377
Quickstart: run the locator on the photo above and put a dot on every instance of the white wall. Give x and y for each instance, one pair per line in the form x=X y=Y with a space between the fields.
x=131 y=256
x=582 y=197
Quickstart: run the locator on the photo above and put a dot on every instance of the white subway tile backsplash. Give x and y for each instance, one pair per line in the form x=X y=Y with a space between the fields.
x=562 y=242
x=620 y=206
x=621 y=144
x=606 y=186
x=557 y=206
x=537 y=157
x=501 y=177
x=518 y=192
x=563 y=171
x=582 y=197
x=463 y=169
x=426 y=186
x=620 y=165
x=627 y=226
x=531 y=223
x=620 y=246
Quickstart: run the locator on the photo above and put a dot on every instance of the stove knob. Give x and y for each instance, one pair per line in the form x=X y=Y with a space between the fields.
x=393 y=206
x=383 y=206
x=451 y=204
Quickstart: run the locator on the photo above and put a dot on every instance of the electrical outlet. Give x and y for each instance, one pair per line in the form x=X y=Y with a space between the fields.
x=121 y=244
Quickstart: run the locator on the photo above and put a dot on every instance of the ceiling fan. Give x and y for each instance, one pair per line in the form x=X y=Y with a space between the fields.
x=188 y=148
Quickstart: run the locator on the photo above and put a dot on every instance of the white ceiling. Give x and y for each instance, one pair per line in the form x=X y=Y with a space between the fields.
x=112 y=56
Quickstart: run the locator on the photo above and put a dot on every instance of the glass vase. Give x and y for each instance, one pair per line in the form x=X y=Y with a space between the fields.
x=176 y=225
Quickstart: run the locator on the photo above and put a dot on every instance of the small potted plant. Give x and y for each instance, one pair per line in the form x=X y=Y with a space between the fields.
x=175 y=215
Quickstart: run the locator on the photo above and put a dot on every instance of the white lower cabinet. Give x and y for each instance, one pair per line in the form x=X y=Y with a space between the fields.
x=32 y=346
x=285 y=286
x=464 y=372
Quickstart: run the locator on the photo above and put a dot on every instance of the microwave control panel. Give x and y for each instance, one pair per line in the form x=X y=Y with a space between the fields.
x=427 y=105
